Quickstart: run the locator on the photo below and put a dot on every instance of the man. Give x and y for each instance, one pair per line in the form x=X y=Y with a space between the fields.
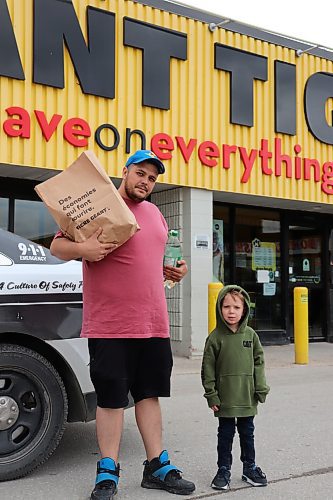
x=125 y=319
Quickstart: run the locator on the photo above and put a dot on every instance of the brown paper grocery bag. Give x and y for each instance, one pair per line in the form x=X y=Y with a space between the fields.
x=82 y=198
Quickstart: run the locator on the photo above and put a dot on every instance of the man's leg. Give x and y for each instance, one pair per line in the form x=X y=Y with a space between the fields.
x=109 y=426
x=108 y=371
x=151 y=382
x=149 y=420
x=158 y=472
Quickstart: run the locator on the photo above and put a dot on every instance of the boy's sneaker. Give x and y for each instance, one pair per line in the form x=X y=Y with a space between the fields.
x=159 y=474
x=254 y=475
x=106 y=480
x=222 y=479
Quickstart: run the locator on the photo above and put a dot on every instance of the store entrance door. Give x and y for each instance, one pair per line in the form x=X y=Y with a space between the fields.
x=305 y=245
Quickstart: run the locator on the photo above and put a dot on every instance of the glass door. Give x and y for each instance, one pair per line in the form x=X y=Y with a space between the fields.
x=305 y=269
x=258 y=266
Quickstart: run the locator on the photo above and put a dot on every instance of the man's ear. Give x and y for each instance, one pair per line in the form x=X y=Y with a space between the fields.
x=125 y=172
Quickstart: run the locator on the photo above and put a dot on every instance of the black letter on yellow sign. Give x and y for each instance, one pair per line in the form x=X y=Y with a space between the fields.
x=244 y=67
x=158 y=46
x=10 y=62
x=55 y=23
x=285 y=98
x=318 y=89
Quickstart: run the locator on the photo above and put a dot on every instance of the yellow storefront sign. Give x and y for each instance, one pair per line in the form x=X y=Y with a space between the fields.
x=225 y=111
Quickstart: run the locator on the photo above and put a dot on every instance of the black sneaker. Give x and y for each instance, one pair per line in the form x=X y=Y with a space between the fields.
x=254 y=475
x=222 y=479
x=159 y=474
x=105 y=490
x=106 y=480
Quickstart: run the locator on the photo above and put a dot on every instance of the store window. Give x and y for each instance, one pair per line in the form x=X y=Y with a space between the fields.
x=4 y=210
x=220 y=246
x=33 y=221
x=258 y=265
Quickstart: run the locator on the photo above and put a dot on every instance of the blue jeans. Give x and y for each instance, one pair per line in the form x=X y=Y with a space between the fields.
x=225 y=437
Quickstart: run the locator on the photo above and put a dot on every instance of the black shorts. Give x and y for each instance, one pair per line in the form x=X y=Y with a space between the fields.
x=141 y=366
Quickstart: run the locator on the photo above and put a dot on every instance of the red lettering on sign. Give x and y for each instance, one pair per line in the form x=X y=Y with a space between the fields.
x=161 y=142
x=186 y=149
x=208 y=150
x=75 y=127
x=308 y=163
x=47 y=128
x=17 y=127
x=327 y=178
x=248 y=162
x=227 y=150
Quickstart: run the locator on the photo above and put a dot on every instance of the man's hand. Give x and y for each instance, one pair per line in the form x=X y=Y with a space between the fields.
x=215 y=408
x=93 y=250
x=175 y=274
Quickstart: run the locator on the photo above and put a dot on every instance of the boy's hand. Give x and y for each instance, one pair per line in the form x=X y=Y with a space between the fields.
x=215 y=408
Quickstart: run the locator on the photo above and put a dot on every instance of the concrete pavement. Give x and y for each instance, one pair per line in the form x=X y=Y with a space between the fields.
x=294 y=439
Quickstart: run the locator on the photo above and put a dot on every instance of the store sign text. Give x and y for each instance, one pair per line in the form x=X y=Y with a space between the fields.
x=56 y=22
x=269 y=158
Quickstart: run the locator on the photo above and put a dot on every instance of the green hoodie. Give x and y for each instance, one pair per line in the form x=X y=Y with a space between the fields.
x=233 y=369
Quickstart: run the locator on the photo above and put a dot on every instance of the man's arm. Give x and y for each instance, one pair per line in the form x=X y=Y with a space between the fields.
x=91 y=249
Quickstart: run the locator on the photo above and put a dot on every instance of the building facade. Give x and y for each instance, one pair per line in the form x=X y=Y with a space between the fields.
x=242 y=119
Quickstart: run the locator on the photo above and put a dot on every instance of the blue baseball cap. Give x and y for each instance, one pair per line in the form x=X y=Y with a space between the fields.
x=146 y=155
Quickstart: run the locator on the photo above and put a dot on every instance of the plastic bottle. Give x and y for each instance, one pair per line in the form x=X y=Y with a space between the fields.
x=173 y=253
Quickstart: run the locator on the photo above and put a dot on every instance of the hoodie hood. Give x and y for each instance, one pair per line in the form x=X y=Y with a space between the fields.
x=220 y=321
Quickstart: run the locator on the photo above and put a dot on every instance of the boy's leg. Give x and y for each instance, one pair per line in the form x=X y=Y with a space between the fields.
x=252 y=474
x=245 y=427
x=225 y=437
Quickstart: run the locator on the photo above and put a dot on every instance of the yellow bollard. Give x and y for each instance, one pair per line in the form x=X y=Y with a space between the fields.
x=213 y=291
x=301 y=325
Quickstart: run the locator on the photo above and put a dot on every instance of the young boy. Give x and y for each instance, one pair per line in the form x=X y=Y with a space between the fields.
x=234 y=380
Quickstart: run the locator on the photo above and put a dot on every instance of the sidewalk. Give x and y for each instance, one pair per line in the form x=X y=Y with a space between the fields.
x=275 y=356
x=294 y=432
x=294 y=440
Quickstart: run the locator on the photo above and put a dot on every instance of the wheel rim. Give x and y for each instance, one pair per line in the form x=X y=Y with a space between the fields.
x=22 y=411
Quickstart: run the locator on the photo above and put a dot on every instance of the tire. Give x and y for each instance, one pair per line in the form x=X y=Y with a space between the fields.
x=33 y=410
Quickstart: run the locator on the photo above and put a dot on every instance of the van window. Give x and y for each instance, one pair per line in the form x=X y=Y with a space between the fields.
x=33 y=221
x=4 y=209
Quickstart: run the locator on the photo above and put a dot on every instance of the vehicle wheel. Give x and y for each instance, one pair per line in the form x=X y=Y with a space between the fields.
x=33 y=410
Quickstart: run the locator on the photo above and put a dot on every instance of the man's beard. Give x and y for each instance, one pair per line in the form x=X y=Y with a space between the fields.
x=132 y=196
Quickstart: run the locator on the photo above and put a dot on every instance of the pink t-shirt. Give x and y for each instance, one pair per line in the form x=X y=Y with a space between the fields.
x=123 y=294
